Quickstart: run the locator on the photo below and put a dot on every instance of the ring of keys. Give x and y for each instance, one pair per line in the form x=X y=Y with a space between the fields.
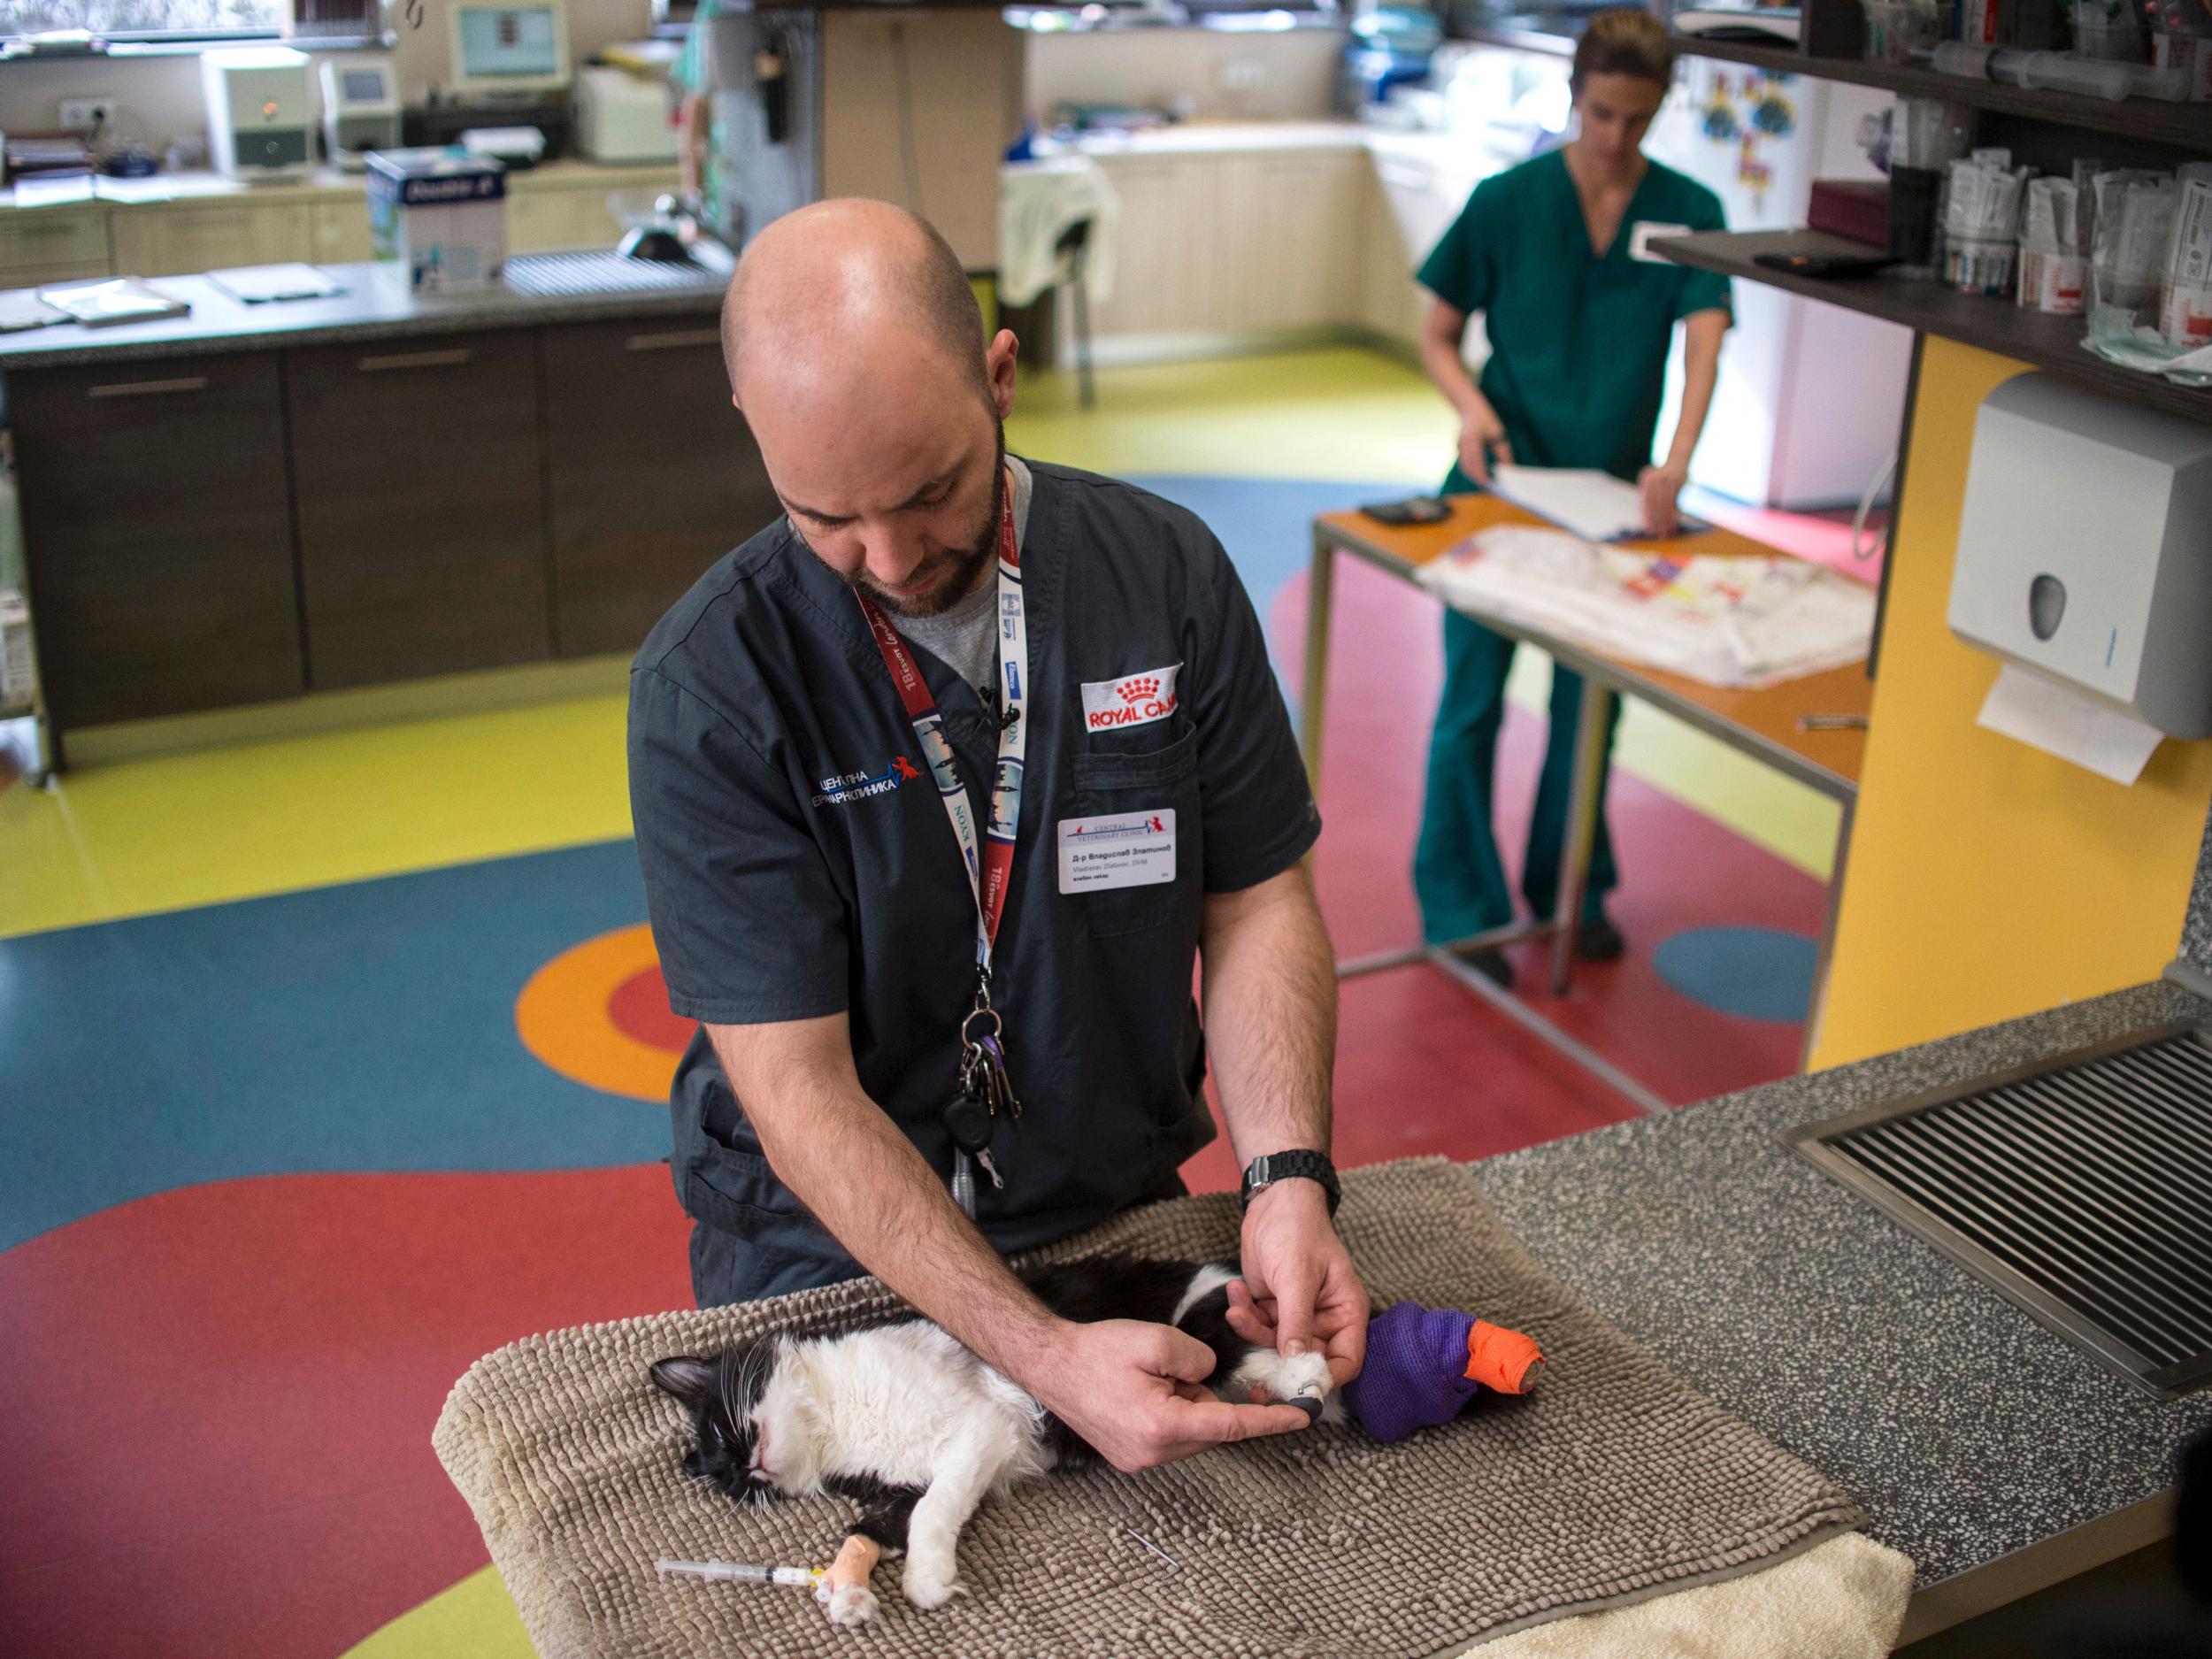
x=985 y=1090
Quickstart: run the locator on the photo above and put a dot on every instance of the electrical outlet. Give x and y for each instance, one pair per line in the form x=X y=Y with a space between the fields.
x=1239 y=74
x=85 y=115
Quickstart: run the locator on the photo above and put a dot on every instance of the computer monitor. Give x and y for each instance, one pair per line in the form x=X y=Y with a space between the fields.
x=508 y=48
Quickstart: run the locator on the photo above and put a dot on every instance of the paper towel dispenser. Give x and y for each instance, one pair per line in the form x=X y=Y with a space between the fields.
x=2085 y=549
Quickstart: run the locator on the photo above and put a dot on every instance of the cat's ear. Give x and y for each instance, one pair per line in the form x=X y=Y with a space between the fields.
x=688 y=1378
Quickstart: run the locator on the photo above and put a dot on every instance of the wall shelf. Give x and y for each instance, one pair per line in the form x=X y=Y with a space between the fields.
x=2050 y=342
x=2188 y=126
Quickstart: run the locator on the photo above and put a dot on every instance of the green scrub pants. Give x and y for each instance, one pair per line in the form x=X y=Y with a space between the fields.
x=1457 y=875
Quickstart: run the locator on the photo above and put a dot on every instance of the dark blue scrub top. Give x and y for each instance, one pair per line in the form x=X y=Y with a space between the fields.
x=793 y=871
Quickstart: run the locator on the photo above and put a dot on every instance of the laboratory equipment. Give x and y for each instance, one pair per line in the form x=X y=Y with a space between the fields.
x=260 y=110
x=2082 y=551
x=360 y=108
x=622 y=116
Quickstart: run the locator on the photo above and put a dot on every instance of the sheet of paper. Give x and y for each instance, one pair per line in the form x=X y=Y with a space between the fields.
x=1594 y=505
x=152 y=189
x=21 y=308
x=36 y=192
x=260 y=284
x=2069 y=724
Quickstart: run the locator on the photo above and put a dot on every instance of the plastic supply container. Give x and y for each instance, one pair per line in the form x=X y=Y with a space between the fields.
x=2189 y=58
x=2184 y=315
x=2110 y=30
x=2181 y=40
x=2185 y=300
x=2149 y=80
x=1962 y=57
x=2054 y=252
x=1902 y=31
x=2130 y=250
x=2058 y=72
x=2053 y=282
x=1930 y=133
x=1980 y=264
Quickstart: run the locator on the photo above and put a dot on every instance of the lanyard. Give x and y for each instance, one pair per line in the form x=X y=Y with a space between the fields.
x=990 y=873
x=984 y=1084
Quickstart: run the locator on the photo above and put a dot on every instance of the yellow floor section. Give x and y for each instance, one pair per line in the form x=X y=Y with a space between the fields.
x=475 y=1618
x=132 y=837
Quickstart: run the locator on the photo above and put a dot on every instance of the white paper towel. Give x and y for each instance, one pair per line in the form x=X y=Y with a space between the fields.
x=2069 y=724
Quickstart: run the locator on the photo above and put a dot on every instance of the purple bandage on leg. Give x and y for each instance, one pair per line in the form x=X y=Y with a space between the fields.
x=1416 y=1372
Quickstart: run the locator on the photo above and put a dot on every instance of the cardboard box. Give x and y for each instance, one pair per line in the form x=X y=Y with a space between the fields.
x=440 y=215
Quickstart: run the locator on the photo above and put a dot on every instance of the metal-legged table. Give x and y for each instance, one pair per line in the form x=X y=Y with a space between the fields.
x=1762 y=724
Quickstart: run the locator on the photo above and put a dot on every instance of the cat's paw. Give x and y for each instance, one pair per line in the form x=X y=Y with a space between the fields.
x=1305 y=1377
x=851 y=1604
x=929 y=1585
x=1266 y=1378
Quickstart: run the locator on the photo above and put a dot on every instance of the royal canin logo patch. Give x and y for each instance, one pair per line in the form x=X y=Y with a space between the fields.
x=1136 y=699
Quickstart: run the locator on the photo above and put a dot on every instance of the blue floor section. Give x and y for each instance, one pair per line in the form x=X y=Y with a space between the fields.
x=369 y=1026
x=1265 y=525
x=1757 y=973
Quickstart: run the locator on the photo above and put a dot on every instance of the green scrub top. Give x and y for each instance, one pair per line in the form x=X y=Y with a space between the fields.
x=1579 y=342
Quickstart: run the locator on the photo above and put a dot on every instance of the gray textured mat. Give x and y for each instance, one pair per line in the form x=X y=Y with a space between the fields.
x=1610 y=1482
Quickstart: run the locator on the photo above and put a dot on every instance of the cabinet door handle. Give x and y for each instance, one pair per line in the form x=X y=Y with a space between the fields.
x=149 y=388
x=678 y=340
x=416 y=360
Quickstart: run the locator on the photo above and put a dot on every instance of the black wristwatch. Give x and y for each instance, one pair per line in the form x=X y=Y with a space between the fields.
x=1283 y=1166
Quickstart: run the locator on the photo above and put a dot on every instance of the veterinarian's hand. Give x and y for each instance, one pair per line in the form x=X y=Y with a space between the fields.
x=1658 y=486
x=1483 y=444
x=1130 y=1390
x=1299 y=1291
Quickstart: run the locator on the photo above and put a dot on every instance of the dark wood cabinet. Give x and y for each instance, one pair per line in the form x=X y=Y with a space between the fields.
x=158 y=534
x=418 y=472
x=652 y=475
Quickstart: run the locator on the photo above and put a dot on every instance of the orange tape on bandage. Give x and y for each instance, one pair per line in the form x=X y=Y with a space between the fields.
x=1502 y=1359
x=856 y=1559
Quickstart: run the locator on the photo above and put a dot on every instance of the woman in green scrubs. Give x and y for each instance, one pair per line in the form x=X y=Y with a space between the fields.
x=1580 y=321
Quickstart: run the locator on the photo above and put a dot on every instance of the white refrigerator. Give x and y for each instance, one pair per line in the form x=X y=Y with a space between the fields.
x=1812 y=396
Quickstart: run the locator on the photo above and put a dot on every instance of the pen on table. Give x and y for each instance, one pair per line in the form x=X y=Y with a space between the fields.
x=1831 y=722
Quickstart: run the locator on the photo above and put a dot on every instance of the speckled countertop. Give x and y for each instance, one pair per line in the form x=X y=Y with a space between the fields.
x=1964 y=1429
x=376 y=305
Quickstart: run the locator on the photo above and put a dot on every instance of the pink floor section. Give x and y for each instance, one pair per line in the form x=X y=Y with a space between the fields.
x=1423 y=1067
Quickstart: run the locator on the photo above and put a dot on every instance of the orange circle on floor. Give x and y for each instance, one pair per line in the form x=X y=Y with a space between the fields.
x=598 y=1013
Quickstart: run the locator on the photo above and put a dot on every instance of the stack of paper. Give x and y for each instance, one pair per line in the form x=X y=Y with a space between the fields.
x=261 y=284
x=1738 y=622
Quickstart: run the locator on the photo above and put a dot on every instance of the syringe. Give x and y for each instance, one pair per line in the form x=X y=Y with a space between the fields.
x=742 y=1572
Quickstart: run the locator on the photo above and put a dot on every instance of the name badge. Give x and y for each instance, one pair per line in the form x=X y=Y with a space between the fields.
x=1640 y=238
x=1129 y=849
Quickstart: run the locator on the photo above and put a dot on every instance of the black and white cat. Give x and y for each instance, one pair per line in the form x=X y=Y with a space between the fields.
x=902 y=1420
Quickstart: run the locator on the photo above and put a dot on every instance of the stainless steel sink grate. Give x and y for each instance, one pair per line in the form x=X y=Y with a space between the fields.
x=602 y=272
x=2080 y=1188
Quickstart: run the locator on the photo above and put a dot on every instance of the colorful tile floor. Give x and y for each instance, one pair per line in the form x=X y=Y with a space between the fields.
x=329 y=1063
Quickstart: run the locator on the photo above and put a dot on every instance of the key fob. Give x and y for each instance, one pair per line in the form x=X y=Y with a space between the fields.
x=968 y=1121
